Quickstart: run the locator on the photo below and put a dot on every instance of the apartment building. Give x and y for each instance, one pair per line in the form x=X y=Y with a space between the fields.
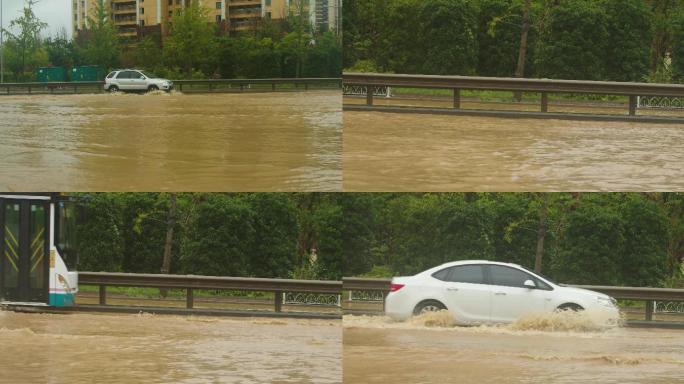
x=129 y=15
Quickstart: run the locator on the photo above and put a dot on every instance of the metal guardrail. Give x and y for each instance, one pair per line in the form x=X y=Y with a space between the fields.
x=207 y=85
x=213 y=85
x=191 y=282
x=543 y=86
x=649 y=295
x=51 y=87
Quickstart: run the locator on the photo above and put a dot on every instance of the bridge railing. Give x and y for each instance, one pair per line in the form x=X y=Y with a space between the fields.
x=649 y=295
x=373 y=81
x=191 y=282
x=206 y=85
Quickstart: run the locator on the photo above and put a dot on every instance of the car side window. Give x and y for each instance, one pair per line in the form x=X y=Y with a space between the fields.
x=124 y=75
x=442 y=274
x=111 y=75
x=136 y=75
x=509 y=277
x=473 y=274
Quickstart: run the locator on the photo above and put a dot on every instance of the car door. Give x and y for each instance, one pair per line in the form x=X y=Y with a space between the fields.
x=467 y=296
x=138 y=81
x=511 y=299
x=123 y=80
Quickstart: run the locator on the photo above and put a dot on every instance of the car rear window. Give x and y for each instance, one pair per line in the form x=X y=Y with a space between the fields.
x=111 y=74
x=472 y=274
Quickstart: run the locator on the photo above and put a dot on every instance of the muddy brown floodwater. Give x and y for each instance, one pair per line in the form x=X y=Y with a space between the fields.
x=126 y=142
x=415 y=152
x=86 y=348
x=376 y=350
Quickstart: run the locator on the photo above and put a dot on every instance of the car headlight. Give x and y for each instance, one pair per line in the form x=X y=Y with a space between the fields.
x=606 y=301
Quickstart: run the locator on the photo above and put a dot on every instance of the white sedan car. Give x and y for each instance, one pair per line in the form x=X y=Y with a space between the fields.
x=135 y=80
x=477 y=292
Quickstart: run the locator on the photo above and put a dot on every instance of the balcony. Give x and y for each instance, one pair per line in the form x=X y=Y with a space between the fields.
x=237 y=3
x=244 y=12
x=128 y=20
x=124 y=10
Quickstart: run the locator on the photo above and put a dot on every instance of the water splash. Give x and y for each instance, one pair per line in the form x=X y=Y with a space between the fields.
x=438 y=319
x=589 y=322
x=564 y=321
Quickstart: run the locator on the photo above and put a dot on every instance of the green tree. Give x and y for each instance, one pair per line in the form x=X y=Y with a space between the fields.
x=630 y=31
x=24 y=51
x=148 y=54
x=60 y=50
x=190 y=40
x=498 y=37
x=574 y=41
x=101 y=42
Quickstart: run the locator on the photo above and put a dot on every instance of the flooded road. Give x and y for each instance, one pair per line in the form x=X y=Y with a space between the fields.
x=377 y=350
x=131 y=142
x=84 y=348
x=414 y=152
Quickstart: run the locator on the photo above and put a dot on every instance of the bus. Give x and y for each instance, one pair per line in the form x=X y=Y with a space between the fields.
x=36 y=245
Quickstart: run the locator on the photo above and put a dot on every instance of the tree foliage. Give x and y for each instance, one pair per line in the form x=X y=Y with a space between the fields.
x=618 y=40
x=24 y=50
x=101 y=43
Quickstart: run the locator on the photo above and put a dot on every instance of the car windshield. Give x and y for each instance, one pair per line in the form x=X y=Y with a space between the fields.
x=148 y=75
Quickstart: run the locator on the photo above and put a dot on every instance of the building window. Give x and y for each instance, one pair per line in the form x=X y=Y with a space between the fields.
x=142 y=11
x=170 y=13
x=142 y=23
x=170 y=2
x=218 y=5
x=268 y=15
x=268 y=3
x=218 y=18
x=178 y=2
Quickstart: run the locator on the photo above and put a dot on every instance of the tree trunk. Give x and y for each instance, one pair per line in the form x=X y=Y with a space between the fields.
x=541 y=232
x=522 y=51
x=168 y=243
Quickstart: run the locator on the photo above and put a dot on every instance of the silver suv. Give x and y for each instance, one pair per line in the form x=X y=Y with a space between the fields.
x=135 y=80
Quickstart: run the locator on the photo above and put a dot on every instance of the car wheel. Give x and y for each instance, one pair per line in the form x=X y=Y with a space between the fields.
x=152 y=88
x=428 y=306
x=113 y=89
x=569 y=307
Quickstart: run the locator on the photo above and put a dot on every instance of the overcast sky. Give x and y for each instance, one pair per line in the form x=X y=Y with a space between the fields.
x=57 y=13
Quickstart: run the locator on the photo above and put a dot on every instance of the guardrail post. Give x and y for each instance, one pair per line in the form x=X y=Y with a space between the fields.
x=544 y=102
x=29 y=89
x=632 y=105
x=650 y=306
x=457 y=98
x=103 y=295
x=370 y=89
x=180 y=87
x=306 y=86
x=75 y=89
x=278 y=301
x=211 y=87
x=189 y=298
x=273 y=87
x=242 y=87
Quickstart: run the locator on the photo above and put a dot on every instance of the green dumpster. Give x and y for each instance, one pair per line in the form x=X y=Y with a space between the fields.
x=87 y=73
x=51 y=74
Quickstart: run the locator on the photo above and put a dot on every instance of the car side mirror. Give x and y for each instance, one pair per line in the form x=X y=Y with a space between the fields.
x=530 y=284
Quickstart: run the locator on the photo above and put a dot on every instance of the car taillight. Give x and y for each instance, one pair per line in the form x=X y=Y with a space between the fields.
x=396 y=287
